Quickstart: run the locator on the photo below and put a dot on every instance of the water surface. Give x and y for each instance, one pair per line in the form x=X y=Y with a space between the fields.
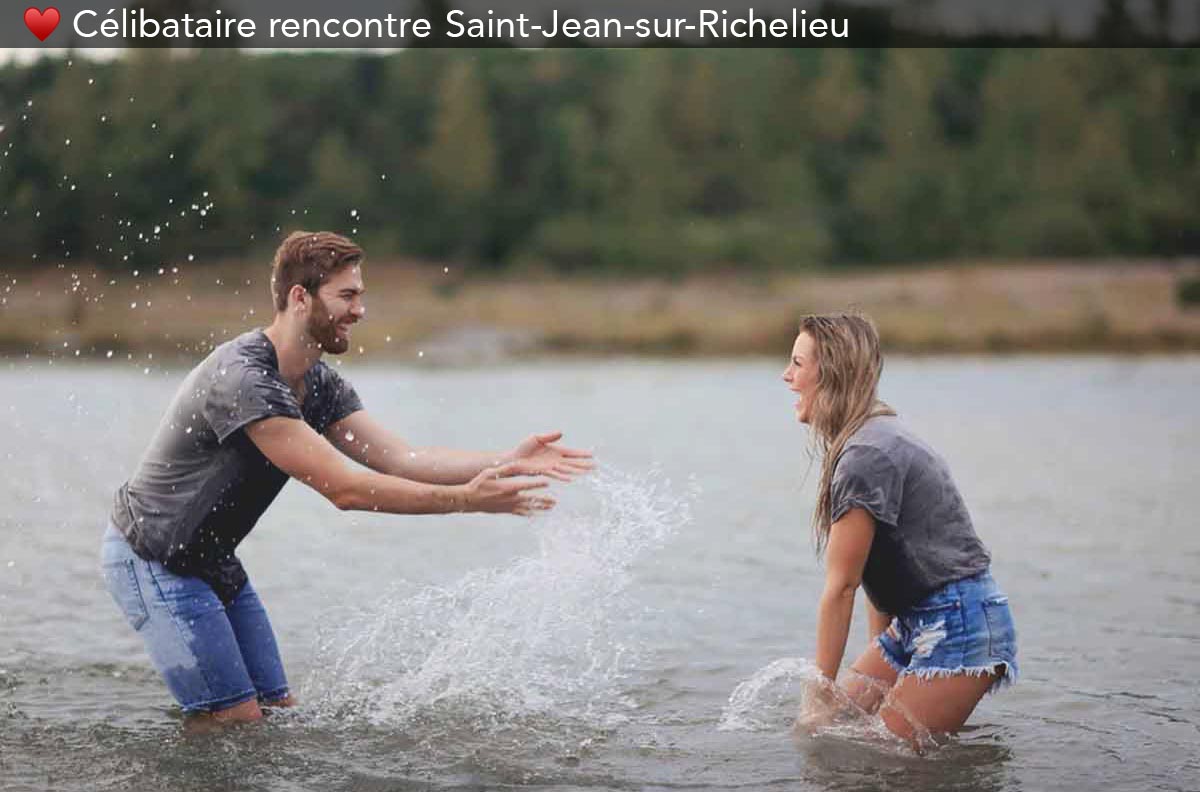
x=598 y=647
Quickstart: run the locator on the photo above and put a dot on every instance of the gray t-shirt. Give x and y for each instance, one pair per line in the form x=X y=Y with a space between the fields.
x=923 y=534
x=202 y=484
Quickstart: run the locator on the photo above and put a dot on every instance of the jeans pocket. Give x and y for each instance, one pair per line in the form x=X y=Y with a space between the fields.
x=1002 y=635
x=934 y=610
x=930 y=625
x=122 y=582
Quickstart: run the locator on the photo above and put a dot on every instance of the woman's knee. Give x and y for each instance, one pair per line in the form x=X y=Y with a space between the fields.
x=866 y=691
x=900 y=721
x=916 y=708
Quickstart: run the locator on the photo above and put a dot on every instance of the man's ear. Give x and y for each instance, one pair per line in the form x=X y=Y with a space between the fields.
x=298 y=297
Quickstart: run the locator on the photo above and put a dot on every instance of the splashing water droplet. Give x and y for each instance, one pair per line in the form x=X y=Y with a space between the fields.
x=545 y=638
x=767 y=699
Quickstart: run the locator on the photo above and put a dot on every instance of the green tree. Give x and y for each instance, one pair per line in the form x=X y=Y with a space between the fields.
x=462 y=155
x=909 y=194
x=647 y=186
x=339 y=189
x=461 y=159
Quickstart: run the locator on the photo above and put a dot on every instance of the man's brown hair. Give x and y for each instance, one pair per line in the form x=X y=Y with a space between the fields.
x=307 y=258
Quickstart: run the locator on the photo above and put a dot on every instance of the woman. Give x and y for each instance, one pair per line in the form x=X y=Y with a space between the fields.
x=890 y=518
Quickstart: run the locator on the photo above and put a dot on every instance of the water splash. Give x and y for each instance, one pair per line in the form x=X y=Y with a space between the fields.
x=775 y=696
x=770 y=699
x=529 y=646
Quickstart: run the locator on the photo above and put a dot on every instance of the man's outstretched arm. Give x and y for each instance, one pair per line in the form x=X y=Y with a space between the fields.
x=368 y=442
x=306 y=456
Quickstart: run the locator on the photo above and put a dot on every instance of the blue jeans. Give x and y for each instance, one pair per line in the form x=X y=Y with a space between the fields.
x=211 y=656
x=965 y=627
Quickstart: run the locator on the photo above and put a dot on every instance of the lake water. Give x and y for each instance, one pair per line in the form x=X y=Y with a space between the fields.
x=598 y=647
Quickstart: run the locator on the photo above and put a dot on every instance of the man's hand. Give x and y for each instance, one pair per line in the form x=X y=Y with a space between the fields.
x=504 y=490
x=544 y=458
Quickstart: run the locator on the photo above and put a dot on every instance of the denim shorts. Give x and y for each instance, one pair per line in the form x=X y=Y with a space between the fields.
x=211 y=656
x=965 y=627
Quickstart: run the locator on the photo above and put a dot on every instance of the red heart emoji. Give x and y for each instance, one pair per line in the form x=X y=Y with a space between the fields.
x=41 y=23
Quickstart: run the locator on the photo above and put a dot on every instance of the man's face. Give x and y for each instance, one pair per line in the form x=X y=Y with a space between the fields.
x=337 y=305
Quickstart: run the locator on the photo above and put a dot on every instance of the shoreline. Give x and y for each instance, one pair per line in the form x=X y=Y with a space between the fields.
x=452 y=315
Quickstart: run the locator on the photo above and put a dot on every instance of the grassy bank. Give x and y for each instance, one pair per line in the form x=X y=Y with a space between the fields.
x=452 y=315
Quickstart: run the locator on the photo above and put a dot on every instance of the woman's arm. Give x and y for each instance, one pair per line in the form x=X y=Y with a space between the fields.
x=845 y=556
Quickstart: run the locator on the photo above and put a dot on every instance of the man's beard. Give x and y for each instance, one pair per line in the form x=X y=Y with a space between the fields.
x=323 y=330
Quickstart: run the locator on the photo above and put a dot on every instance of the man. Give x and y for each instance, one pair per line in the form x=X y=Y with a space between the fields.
x=258 y=410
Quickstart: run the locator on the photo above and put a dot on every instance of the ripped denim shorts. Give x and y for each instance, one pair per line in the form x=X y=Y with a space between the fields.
x=965 y=627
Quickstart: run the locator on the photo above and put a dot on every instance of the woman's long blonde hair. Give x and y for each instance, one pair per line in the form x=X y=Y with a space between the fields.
x=848 y=364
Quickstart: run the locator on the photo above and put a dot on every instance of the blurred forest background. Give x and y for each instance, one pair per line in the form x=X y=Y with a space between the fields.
x=621 y=164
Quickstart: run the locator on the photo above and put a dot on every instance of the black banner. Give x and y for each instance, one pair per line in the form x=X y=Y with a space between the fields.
x=318 y=24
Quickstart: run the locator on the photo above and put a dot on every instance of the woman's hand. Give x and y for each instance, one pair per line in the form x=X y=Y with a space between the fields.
x=823 y=705
x=542 y=457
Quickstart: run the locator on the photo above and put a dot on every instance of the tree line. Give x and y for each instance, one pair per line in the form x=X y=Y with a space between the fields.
x=641 y=161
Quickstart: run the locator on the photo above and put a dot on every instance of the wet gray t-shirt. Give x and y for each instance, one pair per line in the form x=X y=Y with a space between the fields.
x=202 y=484
x=924 y=538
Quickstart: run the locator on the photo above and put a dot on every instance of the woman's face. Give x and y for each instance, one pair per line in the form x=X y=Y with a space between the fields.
x=801 y=374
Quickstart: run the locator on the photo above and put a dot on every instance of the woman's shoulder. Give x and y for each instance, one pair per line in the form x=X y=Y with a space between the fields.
x=885 y=436
x=882 y=432
x=889 y=436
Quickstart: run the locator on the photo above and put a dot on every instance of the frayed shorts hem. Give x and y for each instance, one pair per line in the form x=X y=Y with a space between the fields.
x=1006 y=675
